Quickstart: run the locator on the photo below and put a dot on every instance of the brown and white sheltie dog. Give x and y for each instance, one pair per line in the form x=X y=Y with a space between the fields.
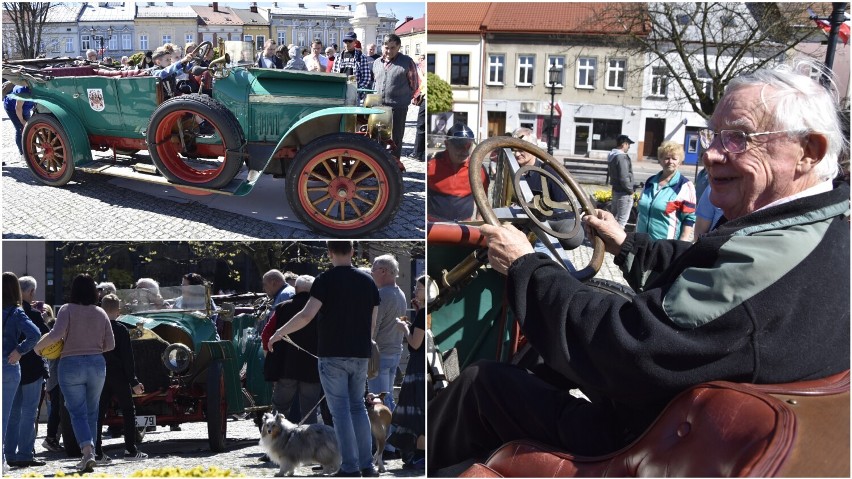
x=291 y=446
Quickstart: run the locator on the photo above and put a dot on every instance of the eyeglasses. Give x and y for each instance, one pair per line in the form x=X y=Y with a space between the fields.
x=348 y=41
x=733 y=141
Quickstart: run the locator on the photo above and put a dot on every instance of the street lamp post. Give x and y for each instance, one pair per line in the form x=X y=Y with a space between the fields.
x=109 y=31
x=554 y=74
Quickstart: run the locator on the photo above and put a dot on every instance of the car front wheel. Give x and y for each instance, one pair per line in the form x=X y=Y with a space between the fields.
x=47 y=150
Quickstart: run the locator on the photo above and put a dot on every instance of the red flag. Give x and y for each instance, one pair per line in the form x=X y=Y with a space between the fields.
x=842 y=32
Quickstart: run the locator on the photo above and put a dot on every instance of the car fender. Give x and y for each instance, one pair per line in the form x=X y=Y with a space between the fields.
x=342 y=111
x=81 y=150
x=224 y=351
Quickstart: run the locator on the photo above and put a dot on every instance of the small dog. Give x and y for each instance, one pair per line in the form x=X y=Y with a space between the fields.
x=380 y=421
x=291 y=446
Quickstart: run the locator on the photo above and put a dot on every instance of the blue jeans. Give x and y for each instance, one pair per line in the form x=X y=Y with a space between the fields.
x=384 y=381
x=11 y=380
x=344 y=380
x=21 y=426
x=82 y=379
x=19 y=128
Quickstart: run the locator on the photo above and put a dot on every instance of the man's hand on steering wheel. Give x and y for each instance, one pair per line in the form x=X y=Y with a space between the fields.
x=505 y=244
x=607 y=228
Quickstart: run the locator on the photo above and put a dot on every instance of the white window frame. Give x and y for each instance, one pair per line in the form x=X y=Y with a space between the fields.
x=282 y=38
x=113 y=43
x=417 y=49
x=616 y=68
x=497 y=62
x=299 y=37
x=85 y=42
x=69 y=44
x=248 y=38
x=526 y=65
x=659 y=82
x=166 y=39
x=706 y=82
x=260 y=41
x=143 y=42
x=126 y=41
x=332 y=38
x=188 y=38
x=559 y=62
x=589 y=66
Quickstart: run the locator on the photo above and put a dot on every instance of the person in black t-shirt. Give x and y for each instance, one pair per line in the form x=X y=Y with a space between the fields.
x=348 y=300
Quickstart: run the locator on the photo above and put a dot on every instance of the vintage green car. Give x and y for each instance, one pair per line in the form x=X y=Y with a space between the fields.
x=341 y=179
x=191 y=372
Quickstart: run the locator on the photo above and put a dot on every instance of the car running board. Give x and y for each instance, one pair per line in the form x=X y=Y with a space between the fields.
x=147 y=173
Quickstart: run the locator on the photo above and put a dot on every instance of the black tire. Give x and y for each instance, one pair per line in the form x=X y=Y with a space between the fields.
x=69 y=440
x=332 y=202
x=190 y=166
x=47 y=150
x=216 y=407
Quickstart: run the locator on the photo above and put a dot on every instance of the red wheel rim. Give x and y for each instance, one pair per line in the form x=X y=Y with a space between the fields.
x=208 y=159
x=46 y=151
x=343 y=189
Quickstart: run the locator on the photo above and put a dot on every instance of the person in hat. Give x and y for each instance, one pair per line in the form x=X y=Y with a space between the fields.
x=147 y=61
x=450 y=197
x=352 y=62
x=620 y=171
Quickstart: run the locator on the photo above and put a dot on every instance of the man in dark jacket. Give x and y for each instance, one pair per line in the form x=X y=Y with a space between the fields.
x=21 y=430
x=267 y=58
x=121 y=383
x=292 y=369
x=620 y=172
x=769 y=284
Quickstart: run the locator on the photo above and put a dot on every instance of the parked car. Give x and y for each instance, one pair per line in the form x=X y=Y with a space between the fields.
x=341 y=179
x=191 y=371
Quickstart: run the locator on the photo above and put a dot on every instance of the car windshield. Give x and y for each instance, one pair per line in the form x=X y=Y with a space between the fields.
x=184 y=298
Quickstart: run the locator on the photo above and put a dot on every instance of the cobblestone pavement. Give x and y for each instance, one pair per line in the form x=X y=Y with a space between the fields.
x=185 y=449
x=90 y=207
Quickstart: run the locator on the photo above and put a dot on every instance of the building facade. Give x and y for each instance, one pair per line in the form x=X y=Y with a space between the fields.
x=160 y=24
x=412 y=34
x=108 y=28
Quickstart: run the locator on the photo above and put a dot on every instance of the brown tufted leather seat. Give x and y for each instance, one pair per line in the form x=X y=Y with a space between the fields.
x=717 y=429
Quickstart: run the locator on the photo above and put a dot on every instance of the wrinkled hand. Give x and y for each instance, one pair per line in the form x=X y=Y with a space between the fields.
x=505 y=244
x=607 y=228
x=138 y=389
x=14 y=357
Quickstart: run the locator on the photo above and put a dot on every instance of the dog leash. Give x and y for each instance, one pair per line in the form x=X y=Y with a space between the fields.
x=287 y=338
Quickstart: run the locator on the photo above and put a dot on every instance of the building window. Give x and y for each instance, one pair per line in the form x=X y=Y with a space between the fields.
x=282 y=38
x=496 y=69
x=659 y=82
x=430 y=63
x=604 y=133
x=248 y=38
x=526 y=69
x=85 y=43
x=417 y=49
x=332 y=38
x=113 y=43
x=260 y=40
x=54 y=45
x=126 y=43
x=615 y=72
x=300 y=38
x=559 y=63
x=706 y=83
x=586 y=72
x=459 y=69
x=167 y=39
x=188 y=38
x=143 y=42
x=69 y=44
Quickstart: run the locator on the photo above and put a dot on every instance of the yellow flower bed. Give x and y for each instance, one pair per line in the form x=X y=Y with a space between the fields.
x=197 y=471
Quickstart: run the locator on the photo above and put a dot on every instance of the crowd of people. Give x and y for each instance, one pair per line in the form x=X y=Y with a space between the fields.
x=320 y=371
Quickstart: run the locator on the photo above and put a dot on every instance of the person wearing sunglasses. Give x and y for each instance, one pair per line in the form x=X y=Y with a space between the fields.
x=769 y=283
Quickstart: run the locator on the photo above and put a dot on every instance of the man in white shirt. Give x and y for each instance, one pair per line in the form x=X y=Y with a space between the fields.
x=316 y=61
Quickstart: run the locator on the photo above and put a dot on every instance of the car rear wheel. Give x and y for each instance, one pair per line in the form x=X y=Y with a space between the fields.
x=47 y=150
x=344 y=185
x=217 y=406
x=194 y=140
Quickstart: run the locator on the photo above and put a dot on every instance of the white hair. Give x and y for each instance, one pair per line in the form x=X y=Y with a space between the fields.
x=797 y=102
x=27 y=283
x=274 y=274
x=388 y=261
x=148 y=283
x=304 y=283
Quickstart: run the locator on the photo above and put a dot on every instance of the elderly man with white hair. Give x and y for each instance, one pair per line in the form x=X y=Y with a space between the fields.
x=769 y=283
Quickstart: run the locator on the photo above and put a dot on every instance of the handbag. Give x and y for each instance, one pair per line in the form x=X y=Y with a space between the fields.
x=373 y=363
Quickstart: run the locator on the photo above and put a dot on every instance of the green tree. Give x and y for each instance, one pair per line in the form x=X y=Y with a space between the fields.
x=439 y=95
x=28 y=19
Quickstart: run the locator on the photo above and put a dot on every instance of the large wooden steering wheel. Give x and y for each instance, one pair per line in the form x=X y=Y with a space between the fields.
x=201 y=51
x=484 y=150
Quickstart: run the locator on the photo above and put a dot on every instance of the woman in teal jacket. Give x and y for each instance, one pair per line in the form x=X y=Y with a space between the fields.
x=667 y=204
